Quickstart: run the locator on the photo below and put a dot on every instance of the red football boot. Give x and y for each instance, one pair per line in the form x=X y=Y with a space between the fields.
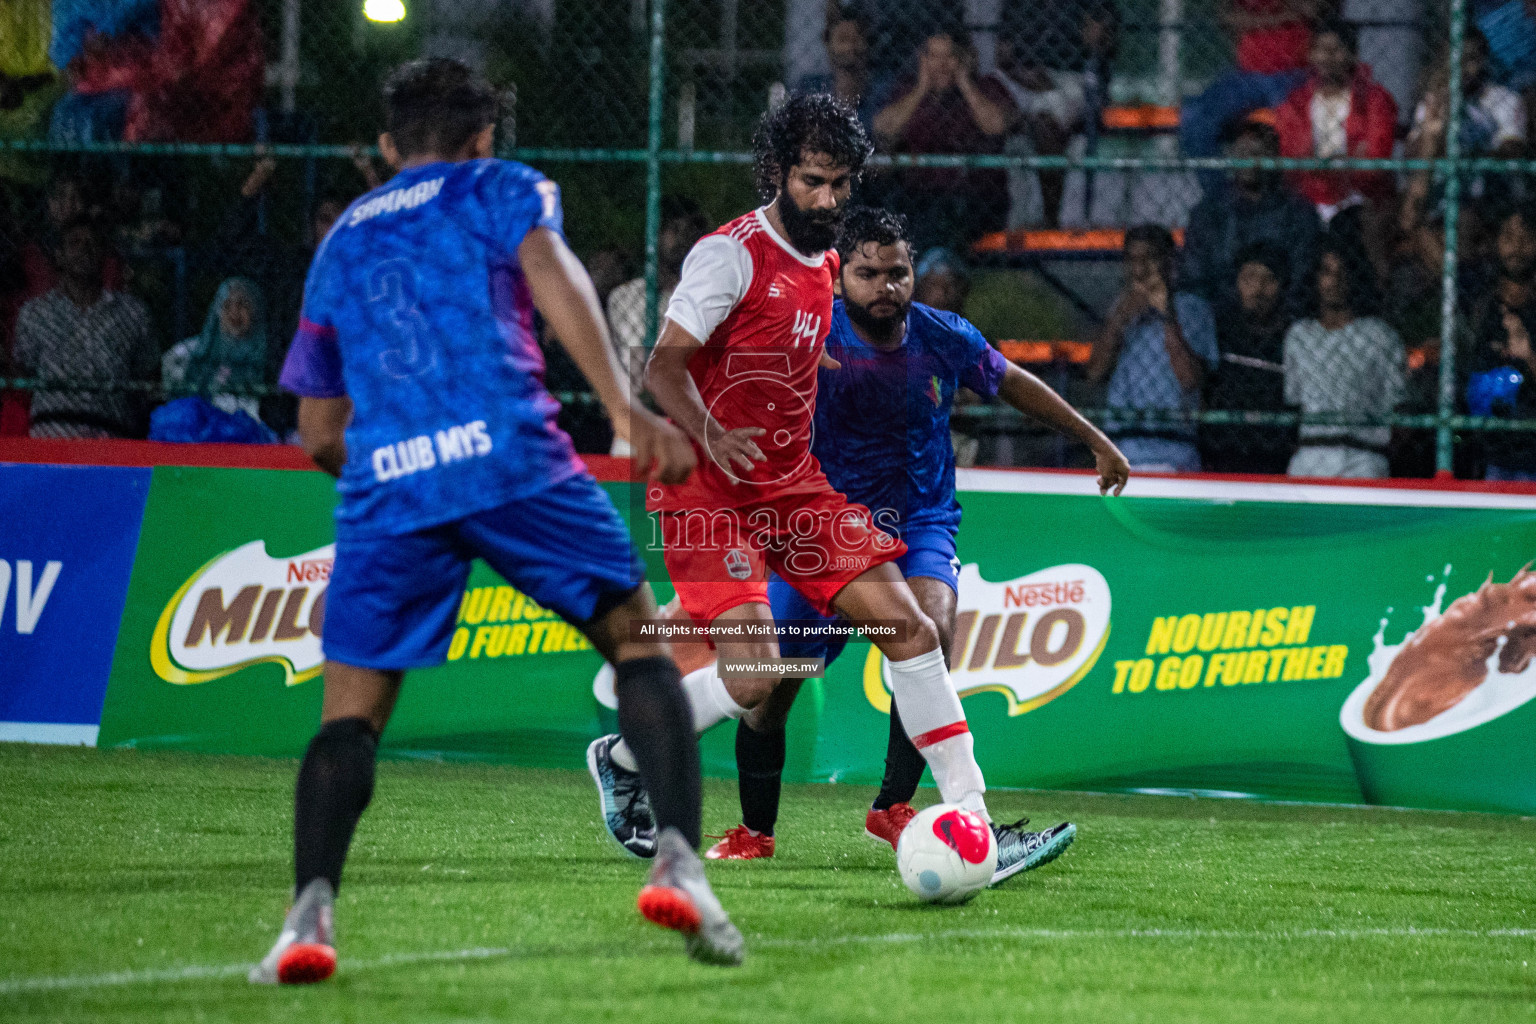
x=887 y=825
x=740 y=843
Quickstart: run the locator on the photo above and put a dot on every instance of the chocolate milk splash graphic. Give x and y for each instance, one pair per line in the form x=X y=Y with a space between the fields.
x=1450 y=655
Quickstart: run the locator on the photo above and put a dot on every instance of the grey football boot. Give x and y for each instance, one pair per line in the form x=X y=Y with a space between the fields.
x=678 y=896
x=305 y=950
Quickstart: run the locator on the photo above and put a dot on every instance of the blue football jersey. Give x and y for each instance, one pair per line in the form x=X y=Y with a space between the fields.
x=416 y=308
x=882 y=418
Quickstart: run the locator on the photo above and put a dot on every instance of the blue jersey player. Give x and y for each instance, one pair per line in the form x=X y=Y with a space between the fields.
x=882 y=437
x=421 y=390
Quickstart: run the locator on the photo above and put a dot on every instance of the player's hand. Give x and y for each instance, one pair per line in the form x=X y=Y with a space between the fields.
x=827 y=362
x=1113 y=469
x=734 y=450
x=659 y=451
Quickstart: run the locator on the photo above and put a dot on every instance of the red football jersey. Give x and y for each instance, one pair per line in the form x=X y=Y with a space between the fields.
x=757 y=368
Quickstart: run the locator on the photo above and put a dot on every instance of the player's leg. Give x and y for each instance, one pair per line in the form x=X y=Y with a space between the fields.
x=930 y=708
x=932 y=571
x=904 y=764
x=654 y=717
x=599 y=586
x=721 y=581
x=390 y=606
x=760 y=734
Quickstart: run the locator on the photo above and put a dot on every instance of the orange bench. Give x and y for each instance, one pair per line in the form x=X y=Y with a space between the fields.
x=1086 y=242
x=1038 y=352
x=1140 y=117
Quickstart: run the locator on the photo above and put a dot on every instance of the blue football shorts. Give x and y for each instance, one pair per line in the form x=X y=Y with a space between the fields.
x=930 y=552
x=393 y=601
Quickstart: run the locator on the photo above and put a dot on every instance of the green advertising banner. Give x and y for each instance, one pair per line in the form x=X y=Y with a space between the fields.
x=219 y=648
x=1336 y=643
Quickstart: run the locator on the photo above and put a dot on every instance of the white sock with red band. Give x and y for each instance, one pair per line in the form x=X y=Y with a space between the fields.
x=931 y=713
x=709 y=700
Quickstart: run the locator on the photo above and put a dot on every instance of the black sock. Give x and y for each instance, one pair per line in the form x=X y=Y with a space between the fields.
x=903 y=766
x=760 y=775
x=335 y=785
x=655 y=720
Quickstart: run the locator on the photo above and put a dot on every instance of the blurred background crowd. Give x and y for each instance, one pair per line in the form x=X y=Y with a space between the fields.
x=168 y=166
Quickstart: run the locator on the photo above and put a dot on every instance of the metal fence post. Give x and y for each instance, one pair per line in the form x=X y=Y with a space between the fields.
x=1444 y=444
x=653 y=166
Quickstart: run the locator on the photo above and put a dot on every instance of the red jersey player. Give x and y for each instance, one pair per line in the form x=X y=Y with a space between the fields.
x=735 y=367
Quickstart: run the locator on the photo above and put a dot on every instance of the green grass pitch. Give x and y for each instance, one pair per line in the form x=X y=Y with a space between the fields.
x=138 y=887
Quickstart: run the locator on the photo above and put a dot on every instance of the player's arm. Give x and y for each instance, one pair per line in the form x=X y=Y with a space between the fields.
x=1030 y=395
x=323 y=431
x=715 y=278
x=563 y=294
x=670 y=383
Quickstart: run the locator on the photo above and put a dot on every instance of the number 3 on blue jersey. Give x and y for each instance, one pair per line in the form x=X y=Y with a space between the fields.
x=394 y=282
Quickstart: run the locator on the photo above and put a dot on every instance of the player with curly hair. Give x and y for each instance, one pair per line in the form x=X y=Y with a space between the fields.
x=736 y=368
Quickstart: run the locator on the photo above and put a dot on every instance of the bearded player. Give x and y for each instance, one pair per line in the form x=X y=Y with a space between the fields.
x=736 y=368
x=422 y=390
x=882 y=438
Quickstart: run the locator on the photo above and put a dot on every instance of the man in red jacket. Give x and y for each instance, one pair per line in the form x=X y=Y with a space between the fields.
x=1339 y=111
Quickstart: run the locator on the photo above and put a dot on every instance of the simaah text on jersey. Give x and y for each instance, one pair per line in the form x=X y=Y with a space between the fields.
x=428 y=451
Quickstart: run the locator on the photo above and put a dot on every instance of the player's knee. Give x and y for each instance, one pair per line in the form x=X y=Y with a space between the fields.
x=751 y=692
x=772 y=714
x=921 y=637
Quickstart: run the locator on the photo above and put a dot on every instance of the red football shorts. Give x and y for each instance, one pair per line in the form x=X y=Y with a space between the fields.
x=818 y=543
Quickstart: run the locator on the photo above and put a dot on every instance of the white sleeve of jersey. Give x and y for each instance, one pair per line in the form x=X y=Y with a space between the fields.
x=715 y=278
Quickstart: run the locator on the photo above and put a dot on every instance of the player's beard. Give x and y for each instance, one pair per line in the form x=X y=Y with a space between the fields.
x=809 y=232
x=876 y=328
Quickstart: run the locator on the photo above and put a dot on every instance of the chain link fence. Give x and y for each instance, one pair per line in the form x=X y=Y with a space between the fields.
x=1246 y=235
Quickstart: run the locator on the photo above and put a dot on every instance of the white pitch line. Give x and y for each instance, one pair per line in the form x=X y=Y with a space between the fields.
x=13 y=986
x=1198 y=934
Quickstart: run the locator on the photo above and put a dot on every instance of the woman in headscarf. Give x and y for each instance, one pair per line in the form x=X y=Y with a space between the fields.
x=231 y=351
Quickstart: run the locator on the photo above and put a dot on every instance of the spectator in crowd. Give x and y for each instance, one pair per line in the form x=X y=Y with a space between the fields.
x=82 y=332
x=231 y=352
x=682 y=224
x=1510 y=29
x=1156 y=349
x=1500 y=343
x=1055 y=60
x=1344 y=362
x=1503 y=370
x=894 y=27
x=942 y=280
x=1251 y=322
x=1049 y=107
x=1272 y=39
x=945 y=109
x=1514 y=251
x=1493 y=124
x=67 y=199
x=847 y=41
x=197 y=79
x=1255 y=205
x=608 y=268
x=1341 y=111
x=1413 y=306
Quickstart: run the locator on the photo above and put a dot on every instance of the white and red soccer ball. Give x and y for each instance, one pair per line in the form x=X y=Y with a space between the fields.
x=946 y=854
